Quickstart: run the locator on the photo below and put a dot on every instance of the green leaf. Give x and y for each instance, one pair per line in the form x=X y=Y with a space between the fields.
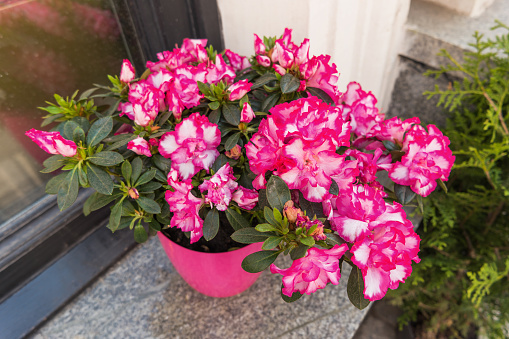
x=277 y=192
x=270 y=102
x=68 y=191
x=333 y=239
x=211 y=224
x=106 y=158
x=289 y=83
x=149 y=205
x=54 y=183
x=53 y=163
x=442 y=185
x=271 y=243
x=82 y=176
x=311 y=208
x=236 y=220
x=146 y=177
x=137 y=166
x=204 y=88
x=265 y=228
x=140 y=234
x=299 y=252
x=82 y=122
x=126 y=171
x=403 y=193
x=390 y=145
x=268 y=214
x=69 y=128
x=78 y=135
x=355 y=289
x=334 y=188
x=50 y=119
x=262 y=199
x=249 y=236
x=221 y=160
x=295 y=296
x=277 y=215
x=87 y=93
x=149 y=187
x=153 y=224
x=231 y=113
x=421 y=205
x=116 y=213
x=259 y=261
x=231 y=141
x=320 y=94
x=161 y=162
x=263 y=80
x=214 y=105
x=121 y=142
x=97 y=201
x=99 y=179
x=214 y=116
x=99 y=130
x=308 y=241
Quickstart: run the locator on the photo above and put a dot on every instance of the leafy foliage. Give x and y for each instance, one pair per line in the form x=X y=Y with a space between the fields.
x=462 y=281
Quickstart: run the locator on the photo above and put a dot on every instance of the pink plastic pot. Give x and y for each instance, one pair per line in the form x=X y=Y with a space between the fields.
x=214 y=274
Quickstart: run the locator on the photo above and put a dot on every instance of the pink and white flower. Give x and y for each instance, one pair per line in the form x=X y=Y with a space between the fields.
x=236 y=61
x=184 y=206
x=52 y=142
x=312 y=272
x=145 y=101
x=127 y=72
x=238 y=90
x=192 y=146
x=139 y=146
x=245 y=198
x=247 y=113
x=220 y=188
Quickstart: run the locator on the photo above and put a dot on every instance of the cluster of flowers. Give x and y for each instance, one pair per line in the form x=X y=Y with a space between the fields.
x=313 y=146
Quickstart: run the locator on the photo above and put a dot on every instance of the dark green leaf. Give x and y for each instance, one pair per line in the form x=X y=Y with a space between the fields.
x=404 y=193
x=121 y=142
x=270 y=102
x=82 y=122
x=154 y=225
x=54 y=183
x=268 y=214
x=295 y=296
x=320 y=94
x=334 y=188
x=69 y=128
x=271 y=243
x=214 y=116
x=149 y=205
x=53 y=163
x=249 y=235
x=221 y=160
x=311 y=208
x=140 y=234
x=127 y=208
x=390 y=146
x=263 y=80
x=99 y=130
x=82 y=177
x=161 y=162
x=214 y=105
x=149 y=187
x=106 y=158
x=126 y=171
x=231 y=141
x=68 y=191
x=236 y=220
x=97 y=201
x=211 y=224
x=160 y=176
x=204 y=88
x=112 y=109
x=87 y=93
x=299 y=252
x=442 y=185
x=333 y=239
x=137 y=166
x=99 y=179
x=231 y=113
x=259 y=261
x=50 y=119
x=146 y=177
x=355 y=289
x=289 y=83
x=278 y=192
x=421 y=205
x=116 y=213
x=262 y=199
x=78 y=135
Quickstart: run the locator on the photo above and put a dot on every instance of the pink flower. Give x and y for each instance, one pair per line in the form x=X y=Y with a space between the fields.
x=236 y=61
x=220 y=71
x=245 y=198
x=192 y=146
x=318 y=73
x=369 y=164
x=247 y=113
x=185 y=206
x=259 y=46
x=394 y=129
x=304 y=221
x=427 y=158
x=234 y=153
x=52 y=142
x=385 y=254
x=127 y=72
x=219 y=188
x=263 y=60
x=145 y=101
x=125 y=128
x=140 y=146
x=239 y=89
x=182 y=93
x=312 y=272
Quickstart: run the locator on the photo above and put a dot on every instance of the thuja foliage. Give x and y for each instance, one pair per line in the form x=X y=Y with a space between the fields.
x=462 y=281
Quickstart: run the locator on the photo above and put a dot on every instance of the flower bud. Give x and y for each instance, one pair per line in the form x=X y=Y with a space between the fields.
x=133 y=193
x=290 y=212
x=234 y=153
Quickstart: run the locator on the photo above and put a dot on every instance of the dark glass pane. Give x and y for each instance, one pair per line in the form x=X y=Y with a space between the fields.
x=46 y=47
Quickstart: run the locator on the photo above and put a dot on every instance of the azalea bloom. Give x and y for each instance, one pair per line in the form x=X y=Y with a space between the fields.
x=182 y=93
x=247 y=113
x=139 y=146
x=236 y=61
x=220 y=188
x=145 y=103
x=234 y=153
x=185 y=206
x=427 y=158
x=312 y=272
x=127 y=72
x=238 y=90
x=245 y=198
x=192 y=146
x=52 y=142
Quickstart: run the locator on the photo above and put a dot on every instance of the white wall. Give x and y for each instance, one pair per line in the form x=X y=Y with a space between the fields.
x=362 y=36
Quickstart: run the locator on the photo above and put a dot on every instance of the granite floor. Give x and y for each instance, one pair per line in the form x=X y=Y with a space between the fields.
x=143 y=297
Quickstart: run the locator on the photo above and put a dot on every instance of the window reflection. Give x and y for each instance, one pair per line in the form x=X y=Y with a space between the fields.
x=46 y=47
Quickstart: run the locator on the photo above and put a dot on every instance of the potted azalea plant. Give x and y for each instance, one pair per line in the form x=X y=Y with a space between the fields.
x=213 y=151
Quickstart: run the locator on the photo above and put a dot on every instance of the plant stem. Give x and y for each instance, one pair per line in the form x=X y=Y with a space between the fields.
x=498 y=110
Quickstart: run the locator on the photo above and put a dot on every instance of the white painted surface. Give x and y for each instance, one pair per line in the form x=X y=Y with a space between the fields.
x=361 y=36
x=471 y=8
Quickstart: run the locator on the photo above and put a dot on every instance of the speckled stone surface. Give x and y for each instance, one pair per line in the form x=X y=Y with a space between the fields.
x=143 y=297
